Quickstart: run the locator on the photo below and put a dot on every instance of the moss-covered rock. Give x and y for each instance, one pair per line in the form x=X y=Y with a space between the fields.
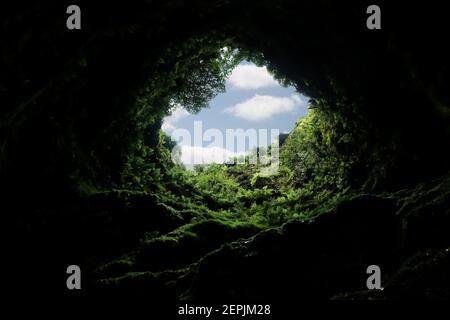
x=323 y=257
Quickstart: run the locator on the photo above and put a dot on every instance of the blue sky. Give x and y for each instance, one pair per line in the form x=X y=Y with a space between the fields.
x=252 y=100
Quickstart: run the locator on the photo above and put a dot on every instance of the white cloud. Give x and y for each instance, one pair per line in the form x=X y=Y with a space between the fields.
x=250 y=76
x=168 y=125
x=203 y=155
x=262 y=107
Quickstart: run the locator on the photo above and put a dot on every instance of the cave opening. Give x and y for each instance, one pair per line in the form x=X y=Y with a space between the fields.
x=253 y=112
x=87 y=173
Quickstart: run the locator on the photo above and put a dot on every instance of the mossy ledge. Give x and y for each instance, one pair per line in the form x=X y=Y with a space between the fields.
x=322 y=257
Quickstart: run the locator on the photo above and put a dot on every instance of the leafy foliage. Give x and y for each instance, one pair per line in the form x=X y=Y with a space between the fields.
x=205 y=78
